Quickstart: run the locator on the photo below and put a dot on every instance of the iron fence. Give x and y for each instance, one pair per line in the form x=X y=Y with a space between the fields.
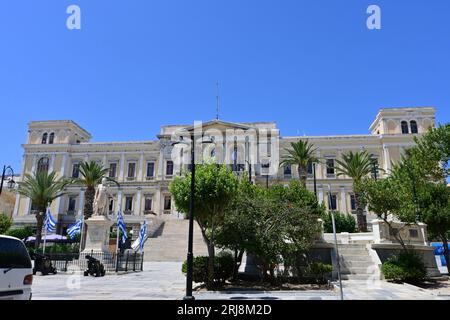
x=113 y=262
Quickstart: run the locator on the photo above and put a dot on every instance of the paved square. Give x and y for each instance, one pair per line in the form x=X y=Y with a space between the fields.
x=164 y=280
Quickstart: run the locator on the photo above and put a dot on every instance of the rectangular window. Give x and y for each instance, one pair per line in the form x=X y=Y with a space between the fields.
x=330 y=166
x=167 y=202
x=287 y=170
x=353 y=202
x=148 y=204
x=76 y=170
x=131 y=169
x=169 y=168
x=310 y=168
x=128 y=204
x=150 y=169
x=111 y=205
x=332 y=202
x=71 y=207
x=112 y=170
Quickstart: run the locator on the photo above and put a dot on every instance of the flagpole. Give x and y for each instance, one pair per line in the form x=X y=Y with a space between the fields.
x=45 y=231
x=81 y=234
x=117 y=240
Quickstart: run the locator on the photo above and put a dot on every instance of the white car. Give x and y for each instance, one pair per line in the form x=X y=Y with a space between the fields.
x=16 y=272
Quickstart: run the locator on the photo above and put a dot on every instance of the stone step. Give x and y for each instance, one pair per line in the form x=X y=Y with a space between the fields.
x=354 y=270
x=349 y=257
x=356 y=264
x=356 y=276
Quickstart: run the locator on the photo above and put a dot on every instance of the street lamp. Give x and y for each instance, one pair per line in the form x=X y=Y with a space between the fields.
x=11 y=181
x=315 y=181
x=190 y=254
x=249 y=172
x=266 y=165
x=336 y=250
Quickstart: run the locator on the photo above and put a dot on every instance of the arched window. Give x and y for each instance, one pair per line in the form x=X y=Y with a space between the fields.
x=42 y=165
x=405 y=127
x=413 y=125
x=44 y=138
x=51 y=138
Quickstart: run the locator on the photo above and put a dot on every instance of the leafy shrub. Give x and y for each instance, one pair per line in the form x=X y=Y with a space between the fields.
x=344 y=222
x=20 y=233
x=223 y=268
x=63 y=248
x=5 y=223
x=407 y=266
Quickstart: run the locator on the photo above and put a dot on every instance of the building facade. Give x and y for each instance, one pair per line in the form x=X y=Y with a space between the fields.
x=144 y=169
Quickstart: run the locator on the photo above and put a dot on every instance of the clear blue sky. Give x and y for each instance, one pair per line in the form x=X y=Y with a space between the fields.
x=310 y=65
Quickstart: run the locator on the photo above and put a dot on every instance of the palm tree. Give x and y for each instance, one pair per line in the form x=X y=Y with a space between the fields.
x=357 y=166
x=42 y=188
x=301 y=153
x=92 y=175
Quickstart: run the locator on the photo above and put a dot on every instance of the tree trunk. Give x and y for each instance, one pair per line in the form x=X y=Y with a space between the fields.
x=237 y=262
x=302 y=174
x=89 y=195
x=360 y=217
x=39 y=224
x=211 y=255
x=446 y=252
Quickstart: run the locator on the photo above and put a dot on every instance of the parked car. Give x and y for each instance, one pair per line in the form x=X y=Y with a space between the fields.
x=16 y=272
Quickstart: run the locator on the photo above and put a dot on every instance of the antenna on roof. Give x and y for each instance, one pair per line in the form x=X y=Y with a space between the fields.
x=217 y=101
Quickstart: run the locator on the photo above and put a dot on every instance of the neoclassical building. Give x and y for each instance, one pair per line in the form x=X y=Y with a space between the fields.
x=144 y=169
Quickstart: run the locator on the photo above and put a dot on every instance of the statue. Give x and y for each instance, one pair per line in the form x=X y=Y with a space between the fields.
x=101 y=197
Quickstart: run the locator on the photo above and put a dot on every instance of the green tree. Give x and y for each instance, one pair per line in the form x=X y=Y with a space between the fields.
x=92 y=175
x=300 y=154
x=42 y=188
x=5 y=223
x=275 y=225
x=357 y=166
x=215 y=187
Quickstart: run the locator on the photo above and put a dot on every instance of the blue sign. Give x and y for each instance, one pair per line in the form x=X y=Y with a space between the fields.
x=439 y=251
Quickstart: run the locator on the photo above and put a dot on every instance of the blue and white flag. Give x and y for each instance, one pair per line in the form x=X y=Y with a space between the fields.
x=75 y=229
x=121 y=226
x=142 y=235
x=49 y=223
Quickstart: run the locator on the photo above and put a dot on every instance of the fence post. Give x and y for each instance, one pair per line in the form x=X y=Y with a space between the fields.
x=126 y=263
x=142 y=261
x=117 y=261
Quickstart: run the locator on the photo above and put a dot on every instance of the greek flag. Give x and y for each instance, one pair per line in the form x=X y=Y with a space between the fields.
x=142 y=235
x=49 y=223
x=121 y=226
x=75 y=229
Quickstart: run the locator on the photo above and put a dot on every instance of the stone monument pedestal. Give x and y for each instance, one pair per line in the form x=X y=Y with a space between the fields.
x=97 y=237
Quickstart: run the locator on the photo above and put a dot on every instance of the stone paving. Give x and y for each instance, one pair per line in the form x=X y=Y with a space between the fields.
x=164 y=280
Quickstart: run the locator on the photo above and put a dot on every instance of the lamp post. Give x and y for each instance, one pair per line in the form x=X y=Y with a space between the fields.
x=11 y=181
x=336 y=250
x=249 y=172
x=315 y=181
x=190 y=253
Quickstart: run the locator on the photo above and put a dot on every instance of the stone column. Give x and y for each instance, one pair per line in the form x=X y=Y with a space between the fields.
x=387 y=158
x=119 y=201
x=343 y=200
x=52 y=163
x=16 y=205
x=122 y=167
x=138 y=202
x=64 y=164
x=161 y=164
x=141 y=168
x=81 y=202
x=320 y=190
